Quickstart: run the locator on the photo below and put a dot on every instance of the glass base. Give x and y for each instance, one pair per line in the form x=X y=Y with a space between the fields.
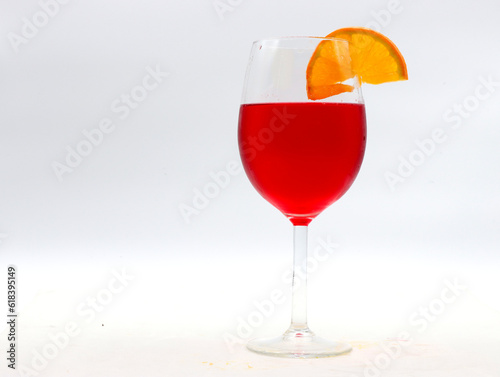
x=298 y=344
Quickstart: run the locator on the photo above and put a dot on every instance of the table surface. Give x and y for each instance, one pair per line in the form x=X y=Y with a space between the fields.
x=106 y=347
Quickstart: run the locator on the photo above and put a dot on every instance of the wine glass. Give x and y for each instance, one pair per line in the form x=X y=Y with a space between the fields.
x=301 y=156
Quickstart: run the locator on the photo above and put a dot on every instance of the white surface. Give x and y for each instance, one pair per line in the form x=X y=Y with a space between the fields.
x=141 y=332
x=194 y=280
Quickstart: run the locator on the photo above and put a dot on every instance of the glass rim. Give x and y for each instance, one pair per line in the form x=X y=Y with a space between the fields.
x=298 y=38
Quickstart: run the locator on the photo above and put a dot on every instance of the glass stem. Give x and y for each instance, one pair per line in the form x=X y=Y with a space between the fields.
x=299 y=283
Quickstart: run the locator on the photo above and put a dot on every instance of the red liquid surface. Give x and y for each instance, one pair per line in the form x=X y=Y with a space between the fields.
x=302 y=157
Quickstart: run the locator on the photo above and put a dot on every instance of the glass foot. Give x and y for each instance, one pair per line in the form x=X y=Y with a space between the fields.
x=298 y=344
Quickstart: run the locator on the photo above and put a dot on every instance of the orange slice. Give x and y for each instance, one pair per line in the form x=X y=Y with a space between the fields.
x=328 y=67
x=374 y=58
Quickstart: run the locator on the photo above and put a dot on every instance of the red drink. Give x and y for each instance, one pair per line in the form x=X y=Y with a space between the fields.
x=302 y=157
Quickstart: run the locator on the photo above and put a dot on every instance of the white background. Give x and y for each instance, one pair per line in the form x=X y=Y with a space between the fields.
x=195 y=278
